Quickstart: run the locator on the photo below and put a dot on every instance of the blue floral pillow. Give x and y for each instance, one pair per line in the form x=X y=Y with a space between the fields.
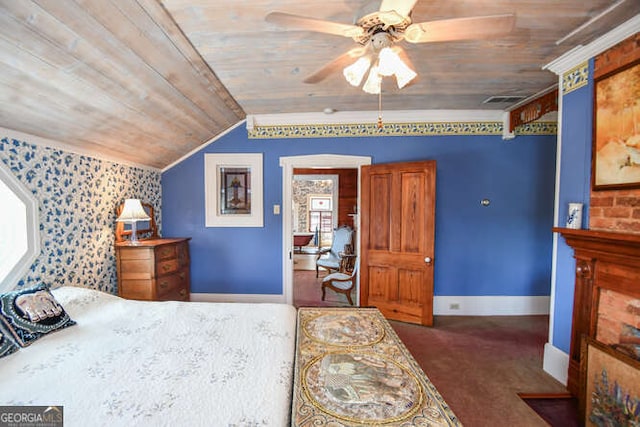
x=7 y=346
x=31 y=313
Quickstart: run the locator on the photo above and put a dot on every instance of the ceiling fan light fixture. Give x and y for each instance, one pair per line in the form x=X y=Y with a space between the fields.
x=388 y=61
x=355 y=72
x=374 y=81
x=404 y=75
x=390 y=64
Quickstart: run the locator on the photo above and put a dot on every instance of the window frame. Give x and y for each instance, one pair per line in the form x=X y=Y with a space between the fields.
x=32 y=232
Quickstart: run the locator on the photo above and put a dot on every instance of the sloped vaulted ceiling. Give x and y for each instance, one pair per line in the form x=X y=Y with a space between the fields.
x=147 y=81
x=118 y=78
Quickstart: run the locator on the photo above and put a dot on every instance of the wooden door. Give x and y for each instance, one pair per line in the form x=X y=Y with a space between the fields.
x=398 y=221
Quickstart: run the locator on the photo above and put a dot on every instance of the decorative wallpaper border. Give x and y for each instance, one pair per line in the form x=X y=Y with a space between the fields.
x=77 y=196
x=395 y=129
x=575 y=78
x=537 y=128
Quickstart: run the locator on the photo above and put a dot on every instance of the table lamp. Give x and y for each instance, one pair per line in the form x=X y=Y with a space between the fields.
x=133 y=212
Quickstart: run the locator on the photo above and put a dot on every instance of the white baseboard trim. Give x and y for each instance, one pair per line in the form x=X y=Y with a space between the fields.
x=490 y=305
x=467 y=306
x=555 y=363
x=250 y=298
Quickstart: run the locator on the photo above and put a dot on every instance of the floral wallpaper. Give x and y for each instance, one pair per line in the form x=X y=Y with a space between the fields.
x=77 y=196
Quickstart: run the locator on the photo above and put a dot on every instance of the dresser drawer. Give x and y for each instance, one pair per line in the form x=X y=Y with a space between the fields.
x=136 y=269
x=136 y=289
x=167 y=266
x=166 y=252
x=172 y=283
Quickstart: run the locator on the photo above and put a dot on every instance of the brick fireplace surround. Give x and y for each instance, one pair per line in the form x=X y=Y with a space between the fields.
x=607 y=290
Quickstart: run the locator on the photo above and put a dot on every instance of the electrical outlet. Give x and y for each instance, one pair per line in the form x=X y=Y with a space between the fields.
x=454 y=306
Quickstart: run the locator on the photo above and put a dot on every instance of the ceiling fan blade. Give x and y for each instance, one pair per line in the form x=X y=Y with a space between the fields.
x=303 y=23
x=337 y=64
x=403 y=7
x=476 y=27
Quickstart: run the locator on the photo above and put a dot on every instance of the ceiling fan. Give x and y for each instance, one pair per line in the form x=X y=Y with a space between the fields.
x=378 y=35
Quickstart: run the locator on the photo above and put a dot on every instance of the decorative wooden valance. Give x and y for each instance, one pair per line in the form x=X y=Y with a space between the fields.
x=604 y=261
x=533 y=110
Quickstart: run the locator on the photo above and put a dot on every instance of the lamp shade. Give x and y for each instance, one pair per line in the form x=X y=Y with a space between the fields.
x=404 y=75
x=388 y=62
x=372 y=85
x=355 y=72
x=133 y=211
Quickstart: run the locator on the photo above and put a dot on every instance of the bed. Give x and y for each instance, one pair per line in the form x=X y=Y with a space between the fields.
x=127 y=363
x=110 y=361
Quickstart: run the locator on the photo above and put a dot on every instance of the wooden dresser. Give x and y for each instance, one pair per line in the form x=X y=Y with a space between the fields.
x=154 y=269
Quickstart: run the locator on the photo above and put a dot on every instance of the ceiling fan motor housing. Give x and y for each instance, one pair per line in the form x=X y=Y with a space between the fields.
x=374 y=23
x=380 y=40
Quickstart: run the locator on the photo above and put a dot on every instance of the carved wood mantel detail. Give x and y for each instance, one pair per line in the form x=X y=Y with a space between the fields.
x=604 y=260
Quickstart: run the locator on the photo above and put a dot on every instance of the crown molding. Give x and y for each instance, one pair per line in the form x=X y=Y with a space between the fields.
x=363 y=117
x=580 y=54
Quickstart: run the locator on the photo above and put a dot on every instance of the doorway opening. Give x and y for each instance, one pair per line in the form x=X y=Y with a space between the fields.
x=315 y=164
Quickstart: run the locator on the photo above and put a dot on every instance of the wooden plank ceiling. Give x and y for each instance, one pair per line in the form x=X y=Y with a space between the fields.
x=147 y=81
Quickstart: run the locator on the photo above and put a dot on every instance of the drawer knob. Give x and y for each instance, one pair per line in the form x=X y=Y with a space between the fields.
x=183 y=292
x=182 y=275
x=166 y=267
x=163 y=285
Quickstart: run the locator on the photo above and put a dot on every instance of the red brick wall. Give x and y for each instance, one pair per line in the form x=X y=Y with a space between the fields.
x=616 y=210
x=614 y=310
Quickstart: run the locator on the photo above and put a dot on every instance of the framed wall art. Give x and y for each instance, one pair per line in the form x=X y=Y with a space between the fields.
x=616 y=129
x=233 y=190
x=610 y=381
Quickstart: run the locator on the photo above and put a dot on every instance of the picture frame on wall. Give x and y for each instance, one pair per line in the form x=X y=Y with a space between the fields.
x=616 y=129
x=233 y=190
x=610 y=382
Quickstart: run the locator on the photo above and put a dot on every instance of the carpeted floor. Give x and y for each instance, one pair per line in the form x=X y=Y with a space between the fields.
x=478 y=363
x=307 y=291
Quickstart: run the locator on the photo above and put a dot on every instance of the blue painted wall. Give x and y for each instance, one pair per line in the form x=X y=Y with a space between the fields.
x=502 y=249
x=575 y=186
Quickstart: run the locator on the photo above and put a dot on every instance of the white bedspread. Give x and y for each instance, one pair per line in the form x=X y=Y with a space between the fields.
x=130 y=363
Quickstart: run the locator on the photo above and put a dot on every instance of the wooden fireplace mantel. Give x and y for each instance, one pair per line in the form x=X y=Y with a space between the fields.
x=604 y=260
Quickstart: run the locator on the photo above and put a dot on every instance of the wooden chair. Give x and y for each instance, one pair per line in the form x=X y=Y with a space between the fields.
x=330 y=258
x=150 y=232
x=344 y=280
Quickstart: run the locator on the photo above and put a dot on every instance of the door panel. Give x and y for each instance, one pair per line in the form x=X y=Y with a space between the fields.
x=379 y=214
x=398 y=221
